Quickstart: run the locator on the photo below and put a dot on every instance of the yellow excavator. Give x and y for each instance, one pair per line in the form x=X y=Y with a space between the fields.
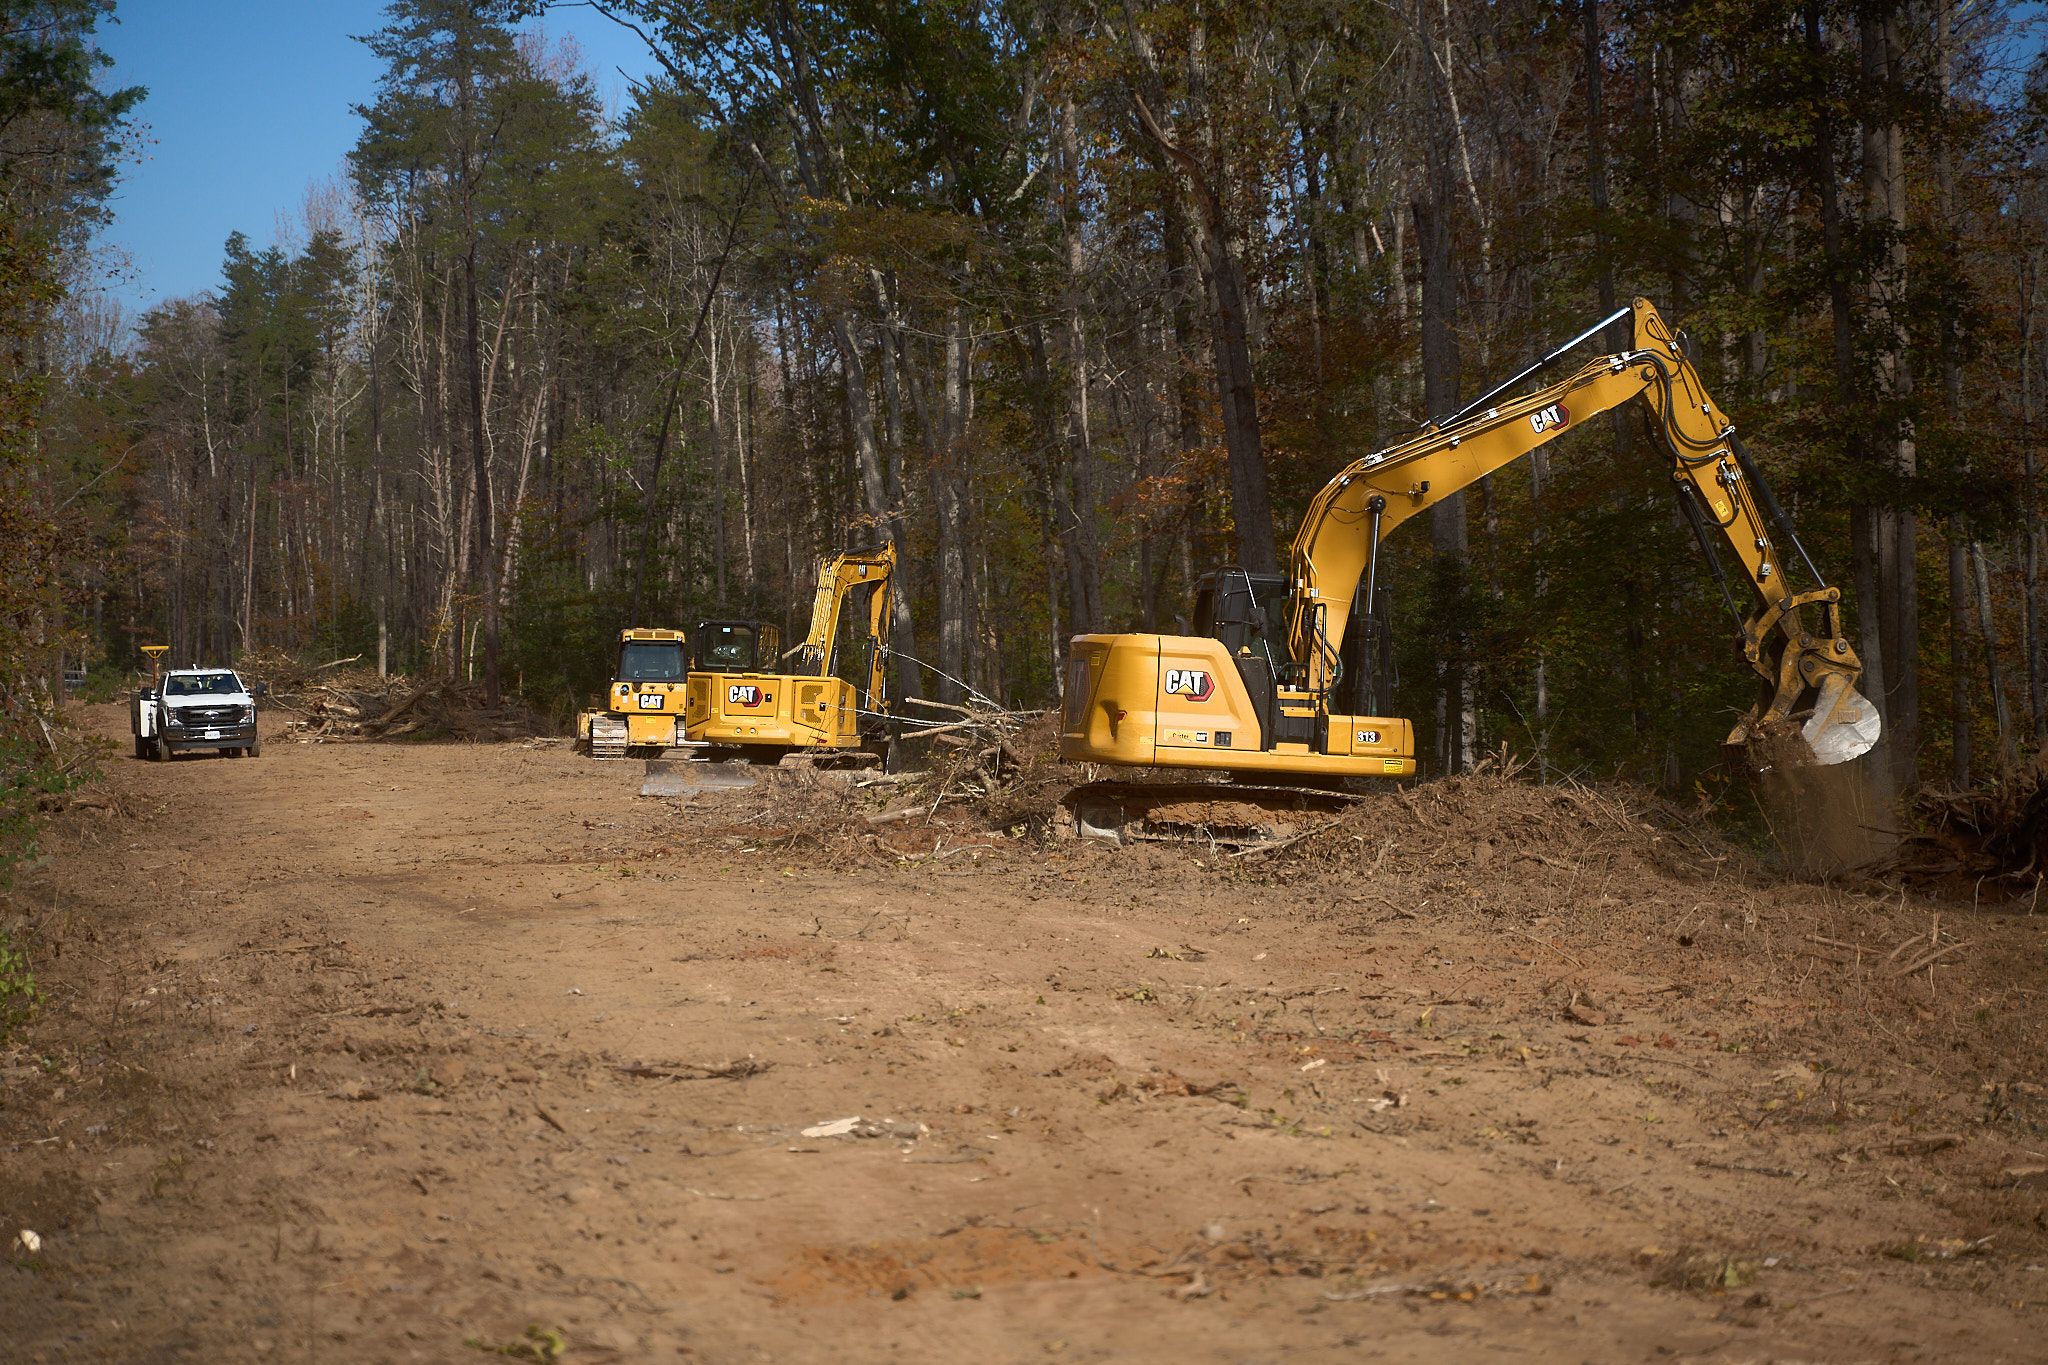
x=644 y=704
x=760 y=714
x=1281 y=682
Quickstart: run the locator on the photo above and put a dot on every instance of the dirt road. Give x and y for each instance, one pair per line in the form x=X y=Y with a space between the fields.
x=384 y=1052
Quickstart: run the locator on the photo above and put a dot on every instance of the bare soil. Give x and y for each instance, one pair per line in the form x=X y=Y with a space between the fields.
x=369 y=1052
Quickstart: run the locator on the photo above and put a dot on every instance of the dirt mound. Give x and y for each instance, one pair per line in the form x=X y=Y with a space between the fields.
x=1493 y=816
x=1494 y=847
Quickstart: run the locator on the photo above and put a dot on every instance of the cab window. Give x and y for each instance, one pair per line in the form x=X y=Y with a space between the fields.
x=727 y=648
x=651 y=661
x=201 y=685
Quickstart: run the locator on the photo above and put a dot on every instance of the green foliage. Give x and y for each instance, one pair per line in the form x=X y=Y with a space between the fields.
x=561 y=641
x=27 y=777
x=19 y=995
x=59 y=131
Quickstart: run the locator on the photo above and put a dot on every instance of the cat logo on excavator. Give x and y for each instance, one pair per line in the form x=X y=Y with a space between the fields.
x=743 y=694
x=1193 y=683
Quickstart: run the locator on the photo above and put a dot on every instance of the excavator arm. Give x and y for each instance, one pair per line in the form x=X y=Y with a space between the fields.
x=838 y=577
x=1794 y=641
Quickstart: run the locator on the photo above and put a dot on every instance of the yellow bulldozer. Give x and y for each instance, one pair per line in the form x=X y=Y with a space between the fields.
x=1281 y=687
x=644 y=703
x=759 y=712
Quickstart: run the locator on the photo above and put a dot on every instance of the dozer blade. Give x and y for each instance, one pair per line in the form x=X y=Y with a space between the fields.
x=693 y=776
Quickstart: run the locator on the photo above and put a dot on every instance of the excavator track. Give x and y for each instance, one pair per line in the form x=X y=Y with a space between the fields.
x=1224 y=814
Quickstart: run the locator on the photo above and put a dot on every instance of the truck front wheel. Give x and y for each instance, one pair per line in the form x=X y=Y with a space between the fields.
x=159 y=750
x=255 y=749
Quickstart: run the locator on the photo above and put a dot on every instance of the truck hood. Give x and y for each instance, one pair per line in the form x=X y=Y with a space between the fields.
x=210 y=700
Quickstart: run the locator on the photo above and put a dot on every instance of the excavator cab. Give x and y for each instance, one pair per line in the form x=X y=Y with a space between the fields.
x=1247 y=614
x=734 y=647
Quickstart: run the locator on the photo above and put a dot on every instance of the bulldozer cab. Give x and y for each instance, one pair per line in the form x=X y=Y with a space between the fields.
x=735 y=647
x=643 y=657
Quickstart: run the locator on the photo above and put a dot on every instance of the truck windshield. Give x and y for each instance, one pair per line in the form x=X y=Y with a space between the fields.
x=201 y=685
x=651 y=661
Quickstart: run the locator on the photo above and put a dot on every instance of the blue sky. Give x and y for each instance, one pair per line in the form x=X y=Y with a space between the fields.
x=249 y=105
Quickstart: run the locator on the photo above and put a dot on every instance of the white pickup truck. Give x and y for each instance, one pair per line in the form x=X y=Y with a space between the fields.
x=196 y=708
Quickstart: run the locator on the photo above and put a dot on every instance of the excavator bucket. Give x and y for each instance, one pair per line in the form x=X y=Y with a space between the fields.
x=1843 y=726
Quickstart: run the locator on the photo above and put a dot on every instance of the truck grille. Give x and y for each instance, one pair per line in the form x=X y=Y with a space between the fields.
x=208 y=717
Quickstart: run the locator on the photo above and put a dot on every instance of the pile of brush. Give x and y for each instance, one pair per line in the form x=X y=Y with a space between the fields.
x=1998 y=831
x=997 y=766
x=342 y=699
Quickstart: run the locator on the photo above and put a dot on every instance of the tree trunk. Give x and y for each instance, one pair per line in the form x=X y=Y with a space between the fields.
x=884 y=502
x=1897 y=528
x=1230 y=338
x=1987 y=628
x=1850 y=391
x=1077 y=498
x=1449 y=536
x=1960 y=592
x=2030 y=528
x=950 y=504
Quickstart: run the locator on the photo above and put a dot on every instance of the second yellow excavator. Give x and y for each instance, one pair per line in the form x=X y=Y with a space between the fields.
x=1277 y=685
x=760 y=713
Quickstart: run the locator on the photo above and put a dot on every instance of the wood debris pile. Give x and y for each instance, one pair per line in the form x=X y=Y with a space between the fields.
x=343 y=700
x=967 y=778
x=1997 y=832
x=1002 y=767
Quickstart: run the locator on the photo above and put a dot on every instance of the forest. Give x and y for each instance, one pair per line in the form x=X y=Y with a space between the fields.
x=1070 y=301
